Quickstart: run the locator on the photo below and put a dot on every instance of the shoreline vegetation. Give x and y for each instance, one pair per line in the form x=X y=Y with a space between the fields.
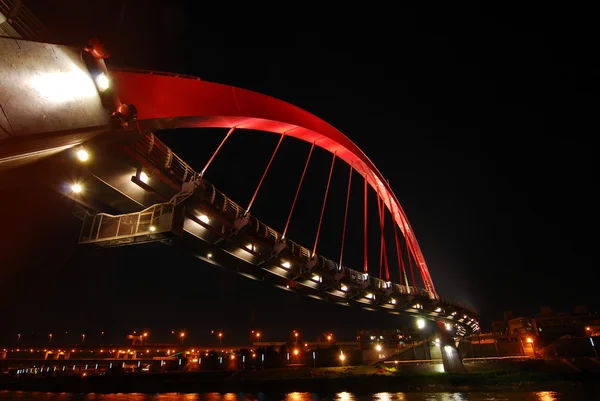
x=306 y=380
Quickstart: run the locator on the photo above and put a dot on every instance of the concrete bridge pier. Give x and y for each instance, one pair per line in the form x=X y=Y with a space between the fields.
x=451 y=358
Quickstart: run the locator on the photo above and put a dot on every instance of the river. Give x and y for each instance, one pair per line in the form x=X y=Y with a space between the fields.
x=575 y=395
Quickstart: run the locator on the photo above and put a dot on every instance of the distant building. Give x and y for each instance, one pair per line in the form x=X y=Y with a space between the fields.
x=387 y=338
x=549 y=325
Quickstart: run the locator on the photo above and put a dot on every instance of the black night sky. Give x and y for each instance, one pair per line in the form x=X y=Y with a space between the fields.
x=472 y=114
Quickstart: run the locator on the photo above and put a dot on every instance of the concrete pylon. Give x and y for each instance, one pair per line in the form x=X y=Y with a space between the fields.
x=451 y=358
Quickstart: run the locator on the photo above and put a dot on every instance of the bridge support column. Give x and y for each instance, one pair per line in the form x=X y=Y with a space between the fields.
x=451 y=358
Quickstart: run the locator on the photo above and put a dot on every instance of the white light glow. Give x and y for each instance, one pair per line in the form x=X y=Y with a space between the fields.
x=378 y=348
x=102 y=81
x=393 y=301
x=144 y=177
x=344 y=288
x=204 y=218
x=420 y=323
x=209 y=255
x=152 y=228
x=370 y=296
x=63 y=87
x=83 y=155
x=76 y=188
x=287 y=265
x=448 y=326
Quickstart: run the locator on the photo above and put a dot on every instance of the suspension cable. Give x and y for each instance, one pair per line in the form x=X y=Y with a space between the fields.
x=287 y=223
x=383 y=260
x=216 y=151
x=400 y=258
x=323 y=207
x=365 y=262
x=381 y=239
x=264 y=174
x=346 y=214
x=408 y=253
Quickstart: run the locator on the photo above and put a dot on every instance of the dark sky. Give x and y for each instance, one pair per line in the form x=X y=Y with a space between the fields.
x=472 y=114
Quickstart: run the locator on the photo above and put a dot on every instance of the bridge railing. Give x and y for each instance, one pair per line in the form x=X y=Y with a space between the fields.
x=27 y=25
x=167 y=161
x=164 y=158
x=103 y=227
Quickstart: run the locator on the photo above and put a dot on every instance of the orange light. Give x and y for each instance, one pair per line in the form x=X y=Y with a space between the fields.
x=253 y=355
x=220 y=334
x=588 y=328
x=529 y=339
x=182 y=334
x=296 y=352
x=232 y=356
x=145 y=334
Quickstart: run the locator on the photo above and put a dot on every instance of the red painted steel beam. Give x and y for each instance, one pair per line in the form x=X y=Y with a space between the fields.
x=172 y=101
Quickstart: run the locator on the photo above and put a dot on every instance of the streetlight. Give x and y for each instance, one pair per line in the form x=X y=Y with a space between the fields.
x=182 y=336
x=220 y=338
x=257 y=336
x=18 y=337
x=296 y=335
x=82 y=338
x=145 y=336
x=588 y=331
x=342 y=357
x=83 y=154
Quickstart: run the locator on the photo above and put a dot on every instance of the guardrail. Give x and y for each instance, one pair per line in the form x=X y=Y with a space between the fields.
x=167 y=161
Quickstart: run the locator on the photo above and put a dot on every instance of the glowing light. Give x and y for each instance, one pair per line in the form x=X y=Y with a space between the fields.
x=63 y=87
x=448 y=326
x=76 y=188
x=102 y=81
x=296 y=352
x=286 y=264
x=378 y=348
x=204 y=218
x=152 y=228
x=344 y=288
x=209 y=255
x=529 y=339
x=83 y=155
x=144 y=177
x=342 y=357
x=393 y=301
x=420 y=323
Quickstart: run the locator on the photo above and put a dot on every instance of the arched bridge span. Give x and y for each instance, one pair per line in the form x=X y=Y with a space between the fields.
x=176 y=101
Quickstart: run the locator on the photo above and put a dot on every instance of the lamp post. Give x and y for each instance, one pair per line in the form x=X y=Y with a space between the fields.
x=182 y=336
x=588 y=331
x=220 y=335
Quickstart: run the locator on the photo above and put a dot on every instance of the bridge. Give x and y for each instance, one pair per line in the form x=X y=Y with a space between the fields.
x=133 y=189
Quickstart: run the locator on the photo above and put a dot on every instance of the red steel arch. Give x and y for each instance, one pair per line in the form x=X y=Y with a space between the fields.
x=176 y=101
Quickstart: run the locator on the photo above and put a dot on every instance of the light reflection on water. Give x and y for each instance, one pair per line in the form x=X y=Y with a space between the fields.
x=295 y=396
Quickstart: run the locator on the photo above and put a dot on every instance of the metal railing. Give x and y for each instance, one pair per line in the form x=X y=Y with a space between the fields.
x=27 y=25
x=168 y=162
x=156 y=219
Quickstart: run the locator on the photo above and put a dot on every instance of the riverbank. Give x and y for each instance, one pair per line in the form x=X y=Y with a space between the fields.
x=305 y=380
